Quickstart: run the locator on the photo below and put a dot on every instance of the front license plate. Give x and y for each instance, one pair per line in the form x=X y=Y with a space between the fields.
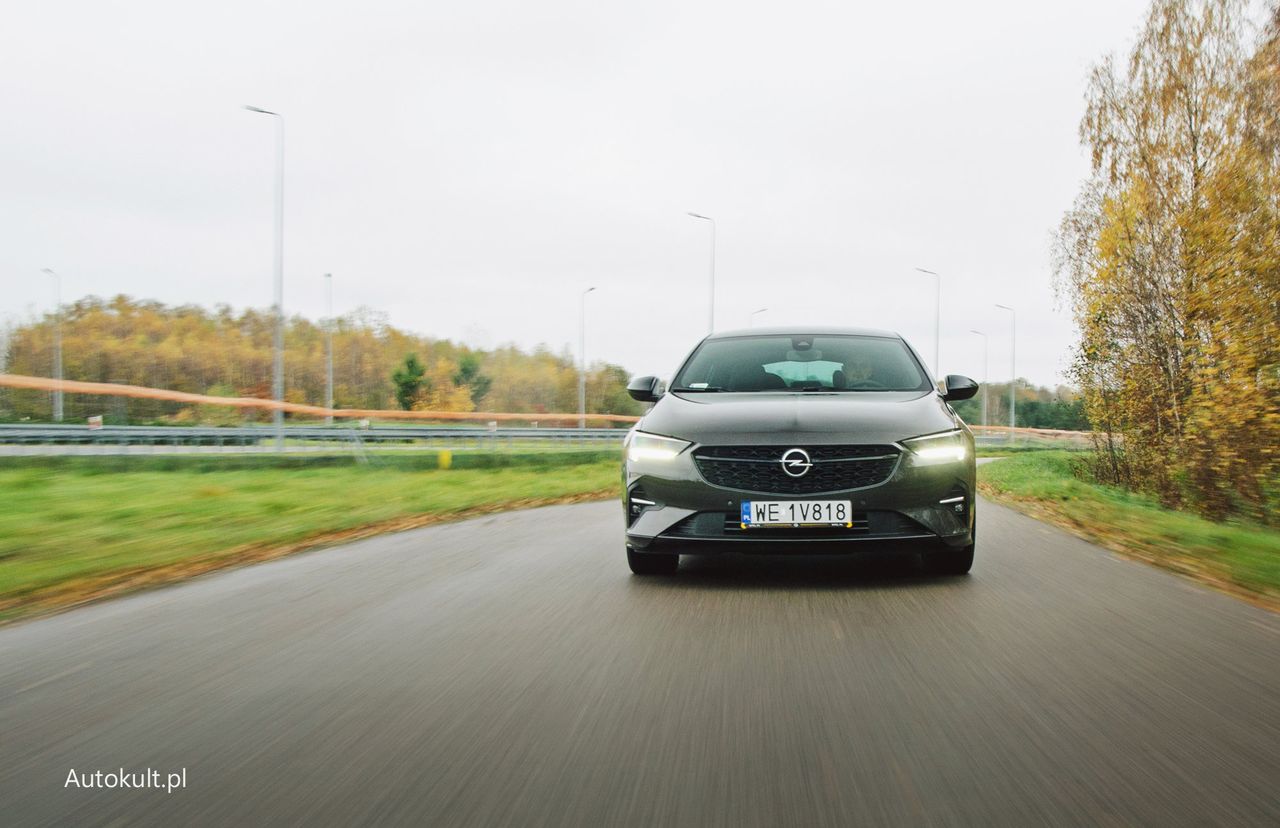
x=762 y=513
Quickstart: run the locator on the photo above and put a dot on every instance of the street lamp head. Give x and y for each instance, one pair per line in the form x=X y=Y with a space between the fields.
x=979 y=333
x=48 y=271
x=588 y=290
x=922 y=270
x=1006 y=307
x=700 y=216
x=263 y=111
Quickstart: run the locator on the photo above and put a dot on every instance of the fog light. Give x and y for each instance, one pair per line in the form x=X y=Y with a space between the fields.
x=636 y=506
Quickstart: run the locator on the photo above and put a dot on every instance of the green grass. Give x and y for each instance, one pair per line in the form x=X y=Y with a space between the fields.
x=1004 y=449
x=997 y=450
x=74 y=527
x=1234 y=554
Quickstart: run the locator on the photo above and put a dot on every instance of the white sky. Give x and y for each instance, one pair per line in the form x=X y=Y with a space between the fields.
x=470 y=167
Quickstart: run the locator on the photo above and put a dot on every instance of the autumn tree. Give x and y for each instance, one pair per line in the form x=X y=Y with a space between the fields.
x=408 y=381
x=225 y=352
x=1169 y=261
x=468 y=375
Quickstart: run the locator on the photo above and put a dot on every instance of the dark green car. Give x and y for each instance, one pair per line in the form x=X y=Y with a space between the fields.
x=780 y=440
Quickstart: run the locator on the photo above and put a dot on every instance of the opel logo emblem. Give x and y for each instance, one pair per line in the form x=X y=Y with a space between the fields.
x=796 y=462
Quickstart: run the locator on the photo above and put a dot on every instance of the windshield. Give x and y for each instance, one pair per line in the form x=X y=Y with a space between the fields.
x=802 y=363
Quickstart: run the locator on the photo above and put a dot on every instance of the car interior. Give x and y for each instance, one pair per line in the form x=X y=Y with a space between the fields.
x=768 y=364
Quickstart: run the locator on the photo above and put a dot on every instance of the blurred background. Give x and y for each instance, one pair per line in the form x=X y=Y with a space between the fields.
x=488 y=217
x=280 y=276
x=465 y=171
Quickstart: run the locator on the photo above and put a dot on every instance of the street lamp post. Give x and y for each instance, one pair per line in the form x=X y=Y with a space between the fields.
x=1013 y=366
x=57 y=344
x=711 y=314
x=937 y=320
x=328 y=358
x=582 y=358
x=986 y=370
x=751 y=320
x=277 y=384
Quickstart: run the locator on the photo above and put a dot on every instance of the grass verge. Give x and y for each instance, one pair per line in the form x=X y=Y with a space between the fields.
x=1240 y=558
x=77 y=529
x=997 y=450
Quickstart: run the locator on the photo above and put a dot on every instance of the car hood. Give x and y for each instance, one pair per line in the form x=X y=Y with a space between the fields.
x=768 y=418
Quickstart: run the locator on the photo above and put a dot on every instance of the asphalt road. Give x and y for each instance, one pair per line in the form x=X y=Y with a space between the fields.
x=510 y=671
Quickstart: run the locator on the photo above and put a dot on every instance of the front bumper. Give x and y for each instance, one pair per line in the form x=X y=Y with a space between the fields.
x=670 y=507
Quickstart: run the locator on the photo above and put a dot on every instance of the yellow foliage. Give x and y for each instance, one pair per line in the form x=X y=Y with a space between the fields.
x=439 y=393
x=1171 y=261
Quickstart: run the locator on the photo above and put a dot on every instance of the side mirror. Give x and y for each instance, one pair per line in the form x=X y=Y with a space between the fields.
x=959 y=387
x=645 y=389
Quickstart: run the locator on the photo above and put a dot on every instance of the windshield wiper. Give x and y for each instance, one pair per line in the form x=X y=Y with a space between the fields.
x=697 y=390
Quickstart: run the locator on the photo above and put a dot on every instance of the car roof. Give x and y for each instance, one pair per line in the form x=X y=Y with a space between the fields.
x=815 y=330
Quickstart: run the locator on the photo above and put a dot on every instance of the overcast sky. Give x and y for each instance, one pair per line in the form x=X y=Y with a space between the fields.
x=470 y=168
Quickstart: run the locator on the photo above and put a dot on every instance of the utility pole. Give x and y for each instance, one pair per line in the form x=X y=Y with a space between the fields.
x=1013 y=367
x=937 y=322
x=57 y=344
x=711 y=313
x=277 y=383
x=582 y=358
x=328 y=360
x=986 y=370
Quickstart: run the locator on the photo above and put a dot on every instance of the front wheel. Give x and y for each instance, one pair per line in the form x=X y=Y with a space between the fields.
x=953 y=562
x=950 y=562
x=652 y=564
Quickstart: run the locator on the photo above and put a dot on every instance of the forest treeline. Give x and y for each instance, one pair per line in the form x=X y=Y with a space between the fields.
x=1170 y=258
x=229 y=353
x=1034 y=407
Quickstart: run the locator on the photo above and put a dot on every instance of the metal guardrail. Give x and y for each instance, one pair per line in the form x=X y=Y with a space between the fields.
x=315 y=438
x=303 y=437
x=996 y=436
x=110 y=389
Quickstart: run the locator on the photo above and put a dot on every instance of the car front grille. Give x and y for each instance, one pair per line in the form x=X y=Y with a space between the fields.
x=759 y=468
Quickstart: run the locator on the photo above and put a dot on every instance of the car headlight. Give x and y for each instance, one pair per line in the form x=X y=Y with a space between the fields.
x=934 y=449
x=652 y=447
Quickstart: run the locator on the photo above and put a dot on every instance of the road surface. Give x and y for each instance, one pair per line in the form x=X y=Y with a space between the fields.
x=510 y=671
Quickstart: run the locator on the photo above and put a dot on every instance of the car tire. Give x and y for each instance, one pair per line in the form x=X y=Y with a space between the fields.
x=652 y=563
x=950 y=562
